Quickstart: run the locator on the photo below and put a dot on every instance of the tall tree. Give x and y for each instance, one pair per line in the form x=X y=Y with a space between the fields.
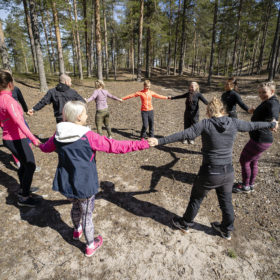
x=58 y=38
x=176 y=38
x=4 y=51
x=87 y=42
x=140 y=37
x=213 y=41
x=98 y=40
x=39 y=55
x=105 y=41
x=30 y=34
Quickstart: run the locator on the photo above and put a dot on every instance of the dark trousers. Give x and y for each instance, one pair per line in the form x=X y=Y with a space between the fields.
x=233 y=114
x=222 y=183
x=22 y=151
x=147 y=119
x=189 y=119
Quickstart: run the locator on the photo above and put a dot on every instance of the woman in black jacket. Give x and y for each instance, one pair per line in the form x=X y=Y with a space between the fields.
x=216 y=172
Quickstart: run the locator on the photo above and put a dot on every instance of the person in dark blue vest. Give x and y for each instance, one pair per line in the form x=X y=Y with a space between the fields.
x=76 y=175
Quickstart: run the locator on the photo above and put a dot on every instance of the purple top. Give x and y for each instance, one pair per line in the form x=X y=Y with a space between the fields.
x=100 y=96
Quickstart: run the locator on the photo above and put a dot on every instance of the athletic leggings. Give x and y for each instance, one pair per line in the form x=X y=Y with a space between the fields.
x=102 y=117
x=22 y=151
x=249 y=160
x=81 y=211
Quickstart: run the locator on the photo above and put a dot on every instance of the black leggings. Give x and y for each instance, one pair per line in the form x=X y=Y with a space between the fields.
x=21 y=150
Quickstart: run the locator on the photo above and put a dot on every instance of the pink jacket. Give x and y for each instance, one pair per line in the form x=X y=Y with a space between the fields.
x=11 y=119
x=103 y=144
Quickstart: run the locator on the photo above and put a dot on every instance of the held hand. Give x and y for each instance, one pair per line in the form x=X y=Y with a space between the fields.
x=169 y=97
x=37 y=143
x=120 y=100
x=30 y=112
x=251 y=110
x=152 y=142
x=276 y=126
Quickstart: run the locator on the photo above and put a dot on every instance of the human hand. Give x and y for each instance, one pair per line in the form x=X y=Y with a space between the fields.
x=30 y=112
x=251 y=110
x=152 y=142
x=120 y=100
x=169 y=97
x=37 y=143
x=276 y=126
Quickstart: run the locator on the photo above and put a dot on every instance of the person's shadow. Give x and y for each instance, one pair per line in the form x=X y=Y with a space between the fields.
x=128 y=202
x=6 y=159
x=166 y=171
x=128 y=133
x=43 y=215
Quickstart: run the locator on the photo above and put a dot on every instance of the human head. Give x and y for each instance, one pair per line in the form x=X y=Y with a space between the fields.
x=194 y=87
x=233 y=80
x=266 y=90
x=230 y=84
x=75 y=112
x=147 y=84
x=65 y=79
x=215 y=108
x=99 y=84
x=6 y=80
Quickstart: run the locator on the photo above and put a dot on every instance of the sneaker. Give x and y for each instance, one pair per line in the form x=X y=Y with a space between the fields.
x=240 y=188
x=77 y=233
x=18 y=164
x=29 y=202
x=185 y=142
x=252 y=188
x=217 y=226
x=191 y=142
x=90 y=250
x=37 y=169
x=180 y=224
x=32 y=190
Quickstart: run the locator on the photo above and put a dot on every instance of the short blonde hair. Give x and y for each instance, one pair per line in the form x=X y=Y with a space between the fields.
x=147 y=84
x=99 y=84
x=196 y=86
x=63 y=79
x=72 y=110
x=215 y=107
x=270 y=85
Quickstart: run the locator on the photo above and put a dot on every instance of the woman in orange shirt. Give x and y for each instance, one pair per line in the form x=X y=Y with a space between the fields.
x=147 y=111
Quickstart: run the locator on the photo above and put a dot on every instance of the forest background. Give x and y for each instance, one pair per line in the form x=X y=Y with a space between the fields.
x=93 y=38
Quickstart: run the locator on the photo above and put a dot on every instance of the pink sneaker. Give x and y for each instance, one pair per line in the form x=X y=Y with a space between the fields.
x=98 y=241
x=77 y=233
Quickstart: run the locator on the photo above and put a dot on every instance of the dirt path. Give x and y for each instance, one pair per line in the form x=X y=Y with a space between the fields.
x=139 y=242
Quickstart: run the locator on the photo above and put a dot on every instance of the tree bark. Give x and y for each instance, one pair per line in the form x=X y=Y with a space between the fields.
x=105 y=42
x=140 y=36
x=92 y=39
x=169 y=39
x=213 y=42
x=4 y=51
x=183 y=40
x=176 y=39
x=80 y=67
x=98 y=39
x=36 y=34
x=58 y=38
x=148 y=43
x=86 y=38
x=30 y=35
x=52 y=44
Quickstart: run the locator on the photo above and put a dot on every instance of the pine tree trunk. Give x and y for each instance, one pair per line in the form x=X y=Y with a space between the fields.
x=274 y=55
x=98 y=40
x=176 y=38
x=169 y=40
x=236 y=36
x=243 y=56
x=52 y=44
x=213 y=42
x=132 y=55
x=36 y=34
x=24 y=57
x=140 y=35
x=4 y=51
x=148 y=43
x=30 y=35
x=264 y=34
x=58 y=38
x=92 y=39
x=255 y=53
x=80 y=67
x=86 y=38
x=183 y=40
x=105 y=42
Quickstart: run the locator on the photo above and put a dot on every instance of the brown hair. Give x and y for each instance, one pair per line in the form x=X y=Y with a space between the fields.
x=271 y=85
x=5 y=79
x=215 y=107
x=147 y=84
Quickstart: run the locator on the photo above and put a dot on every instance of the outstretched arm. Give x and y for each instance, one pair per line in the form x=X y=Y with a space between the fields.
x=244 y=126
x=46 y=100
x=158 y=96
x=241 y=103
x=113 y=96
x=131 y=96
x=179 y=96
x=201 y=97
x=49 y=146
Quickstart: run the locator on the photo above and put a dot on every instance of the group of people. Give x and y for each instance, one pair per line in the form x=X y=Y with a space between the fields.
x=76 y=145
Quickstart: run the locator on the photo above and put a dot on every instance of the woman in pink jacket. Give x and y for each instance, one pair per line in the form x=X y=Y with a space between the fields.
x=15 y=134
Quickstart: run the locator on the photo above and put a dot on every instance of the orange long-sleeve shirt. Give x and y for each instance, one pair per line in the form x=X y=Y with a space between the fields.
x=146 y=98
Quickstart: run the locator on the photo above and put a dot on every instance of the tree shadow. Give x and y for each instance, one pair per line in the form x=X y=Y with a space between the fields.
x=44 y=215
x=128 y=202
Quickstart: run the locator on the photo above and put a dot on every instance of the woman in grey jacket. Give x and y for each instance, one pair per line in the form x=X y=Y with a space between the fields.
x=216 y=172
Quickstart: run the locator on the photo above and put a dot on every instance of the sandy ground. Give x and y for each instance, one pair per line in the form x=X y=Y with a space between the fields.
x=139 y=241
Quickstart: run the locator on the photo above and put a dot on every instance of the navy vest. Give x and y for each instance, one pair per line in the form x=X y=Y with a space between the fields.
x=76 y=174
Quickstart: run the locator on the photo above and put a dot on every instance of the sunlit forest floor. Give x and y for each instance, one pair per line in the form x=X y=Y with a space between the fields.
x=139 y=241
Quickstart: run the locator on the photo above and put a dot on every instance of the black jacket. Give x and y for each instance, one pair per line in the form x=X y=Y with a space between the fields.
x=58 y=96
x=17 y=95
x=266 y=111
x=230 y=99
x=218 y=135
x=192 y=106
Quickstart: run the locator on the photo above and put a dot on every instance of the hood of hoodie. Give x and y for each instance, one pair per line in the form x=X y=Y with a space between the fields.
x=67 y=132
x=62 y=87
x=222 y=123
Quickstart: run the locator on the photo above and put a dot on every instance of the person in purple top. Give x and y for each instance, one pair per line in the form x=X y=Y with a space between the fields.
x=102 y=113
